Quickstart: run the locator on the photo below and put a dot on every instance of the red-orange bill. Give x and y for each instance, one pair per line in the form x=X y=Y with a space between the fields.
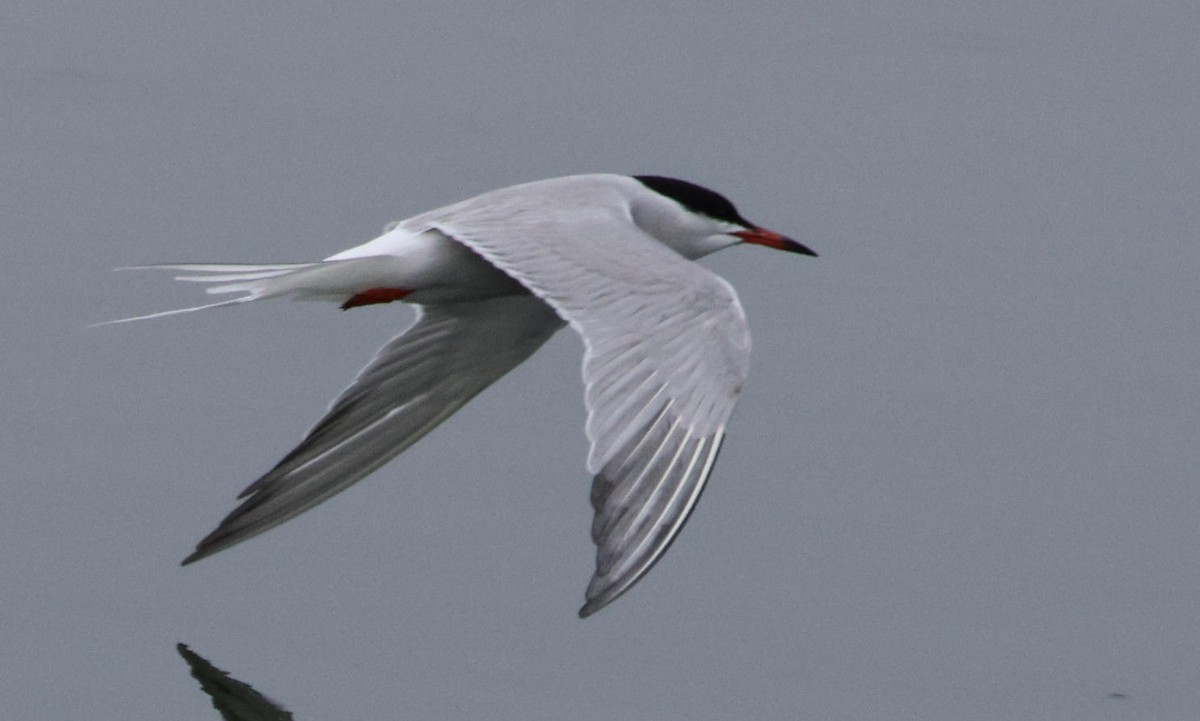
x=771 y=239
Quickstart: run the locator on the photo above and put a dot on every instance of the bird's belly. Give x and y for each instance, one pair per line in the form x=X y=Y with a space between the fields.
x=468 y=277
x=432 y=268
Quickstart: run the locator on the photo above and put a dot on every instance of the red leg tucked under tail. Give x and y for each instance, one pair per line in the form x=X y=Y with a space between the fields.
x=372 y=296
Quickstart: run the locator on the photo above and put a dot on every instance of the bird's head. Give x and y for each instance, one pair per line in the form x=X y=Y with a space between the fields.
x=696 y=221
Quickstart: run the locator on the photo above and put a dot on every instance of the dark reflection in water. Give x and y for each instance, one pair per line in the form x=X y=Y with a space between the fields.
x=234 y=700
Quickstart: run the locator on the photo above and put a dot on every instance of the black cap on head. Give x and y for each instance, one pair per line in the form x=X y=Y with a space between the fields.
x=695 y=198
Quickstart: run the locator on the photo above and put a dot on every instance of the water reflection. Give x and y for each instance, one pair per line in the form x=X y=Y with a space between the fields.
x=234 y=700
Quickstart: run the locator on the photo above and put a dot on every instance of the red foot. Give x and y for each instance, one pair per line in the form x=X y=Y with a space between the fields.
x=372 y=296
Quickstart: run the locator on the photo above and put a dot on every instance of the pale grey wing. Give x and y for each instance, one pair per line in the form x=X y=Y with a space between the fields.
x=667 y=350
x=413 y=383
x=657 y=408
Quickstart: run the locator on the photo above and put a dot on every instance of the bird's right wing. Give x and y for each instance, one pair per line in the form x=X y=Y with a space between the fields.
x=666 y=352
x=413 y=383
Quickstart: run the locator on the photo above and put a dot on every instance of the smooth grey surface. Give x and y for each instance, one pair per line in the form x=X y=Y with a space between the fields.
x=962 y=481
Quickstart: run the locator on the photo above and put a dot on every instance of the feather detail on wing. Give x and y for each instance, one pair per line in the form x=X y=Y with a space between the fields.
x=667 y=350
x=413 y=383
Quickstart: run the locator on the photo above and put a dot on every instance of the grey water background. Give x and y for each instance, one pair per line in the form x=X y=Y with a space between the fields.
x=961 y=483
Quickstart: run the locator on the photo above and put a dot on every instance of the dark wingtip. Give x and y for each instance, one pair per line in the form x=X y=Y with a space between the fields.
x=803 y=249
x=200 y=552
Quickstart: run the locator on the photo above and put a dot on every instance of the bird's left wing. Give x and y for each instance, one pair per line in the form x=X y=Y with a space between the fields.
x=416 y=381
x=667 y=350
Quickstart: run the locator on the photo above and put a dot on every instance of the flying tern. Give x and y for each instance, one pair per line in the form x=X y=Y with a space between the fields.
x=492 y=278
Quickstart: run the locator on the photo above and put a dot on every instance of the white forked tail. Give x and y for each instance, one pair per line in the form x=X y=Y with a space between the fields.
x=325 y=280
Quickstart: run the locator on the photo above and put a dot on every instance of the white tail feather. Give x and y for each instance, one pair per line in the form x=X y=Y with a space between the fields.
x=217 y=273
x=214 y=278
x=177 y=311
x=327 y=280
x=218 y=267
